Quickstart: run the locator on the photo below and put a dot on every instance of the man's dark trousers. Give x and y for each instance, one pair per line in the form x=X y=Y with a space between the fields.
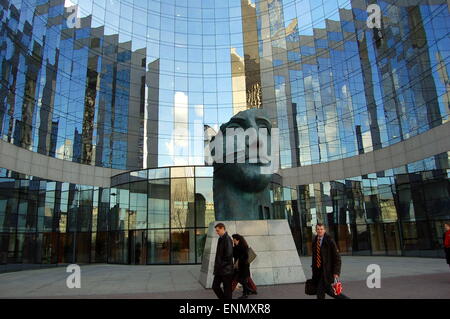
x=227 y=292
x=223 y=267
x=323 y=287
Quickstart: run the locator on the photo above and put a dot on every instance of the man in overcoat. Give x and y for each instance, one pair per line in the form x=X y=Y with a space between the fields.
x=326 y=263
x=223 y=264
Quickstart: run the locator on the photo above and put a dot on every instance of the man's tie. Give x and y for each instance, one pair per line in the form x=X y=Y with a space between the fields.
x=318 y=257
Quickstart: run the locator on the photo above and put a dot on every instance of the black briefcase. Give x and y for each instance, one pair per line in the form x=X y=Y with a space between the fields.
x=310 y=287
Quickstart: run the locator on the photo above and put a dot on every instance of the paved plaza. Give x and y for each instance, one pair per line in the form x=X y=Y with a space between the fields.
x=401 y=277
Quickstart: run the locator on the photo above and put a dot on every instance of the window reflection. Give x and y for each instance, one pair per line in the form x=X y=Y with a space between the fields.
x=182 y=203
x=158 y=203
x=158 y=247
x=183 y=246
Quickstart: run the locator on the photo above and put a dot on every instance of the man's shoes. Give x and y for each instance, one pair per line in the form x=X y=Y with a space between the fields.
x=253 y=293
x=243 y=297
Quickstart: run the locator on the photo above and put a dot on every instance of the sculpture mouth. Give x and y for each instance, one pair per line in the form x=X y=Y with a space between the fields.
x=242 y=158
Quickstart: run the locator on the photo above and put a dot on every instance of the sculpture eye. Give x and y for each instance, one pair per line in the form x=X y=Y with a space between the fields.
x=233 y=125
x=263 y=124
x=236 y=123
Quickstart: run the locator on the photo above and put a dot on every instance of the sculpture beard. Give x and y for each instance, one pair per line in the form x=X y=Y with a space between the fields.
x=246 y=177
x=241 y=192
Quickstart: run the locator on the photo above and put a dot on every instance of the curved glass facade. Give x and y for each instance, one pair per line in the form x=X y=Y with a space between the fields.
x=152 y=216
x=400 y=211
x=132 y=85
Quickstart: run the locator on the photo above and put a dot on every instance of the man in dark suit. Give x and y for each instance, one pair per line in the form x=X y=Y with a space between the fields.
x=223 y=264
x=326 y=263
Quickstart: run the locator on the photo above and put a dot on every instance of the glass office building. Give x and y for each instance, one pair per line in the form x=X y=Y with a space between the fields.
x=104 y=104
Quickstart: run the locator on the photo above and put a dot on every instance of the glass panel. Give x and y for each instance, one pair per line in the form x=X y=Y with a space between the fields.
x=101 y=245
x=73 y=205
x=344 y=238
x=84 y=217
x=29 y=249
x=66 y=248
x=183 y=246
x=416 y=237
x=158 y=247
x=137 y=214
x=118 y=217
x=158 y=203
x=158 y=173
x=83 y=247
x=182 y=172
x=103 y=208
x=377 y=239
x=137 y=250
x=138 y=176
x=4 y=247
x=49 y=248
x=307 y=240
x=204 y=202
x=361 y=240
x=201 y=234
x=410 y=238
x=118 y=247
x=286 y=193
x=392 y=239
x=121 y=179
x=182 y=203
x=204 y=171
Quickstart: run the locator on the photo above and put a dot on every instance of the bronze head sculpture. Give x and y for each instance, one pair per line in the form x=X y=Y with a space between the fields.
x=241 y=179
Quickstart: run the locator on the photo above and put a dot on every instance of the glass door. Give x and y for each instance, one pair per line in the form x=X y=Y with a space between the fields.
x=137 y=248
x=392 y=239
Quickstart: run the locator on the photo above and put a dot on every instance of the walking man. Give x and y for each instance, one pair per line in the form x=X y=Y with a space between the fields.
x=223 y=265
x=326 y=263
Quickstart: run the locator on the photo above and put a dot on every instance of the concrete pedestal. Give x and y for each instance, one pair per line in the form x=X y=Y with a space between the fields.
x=277 y=260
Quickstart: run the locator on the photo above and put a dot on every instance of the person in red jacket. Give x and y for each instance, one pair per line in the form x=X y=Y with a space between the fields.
x=447 y=242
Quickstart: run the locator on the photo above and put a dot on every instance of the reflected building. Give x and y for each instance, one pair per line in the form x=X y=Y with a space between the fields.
x=110 y=101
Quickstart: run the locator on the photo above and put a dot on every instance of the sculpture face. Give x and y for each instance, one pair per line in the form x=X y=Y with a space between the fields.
x=247 y=176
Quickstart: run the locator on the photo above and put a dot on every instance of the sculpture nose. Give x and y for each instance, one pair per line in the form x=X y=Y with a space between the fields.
x=257 y=147
x=252 y=149
x=252 y=143
x=263 y=146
